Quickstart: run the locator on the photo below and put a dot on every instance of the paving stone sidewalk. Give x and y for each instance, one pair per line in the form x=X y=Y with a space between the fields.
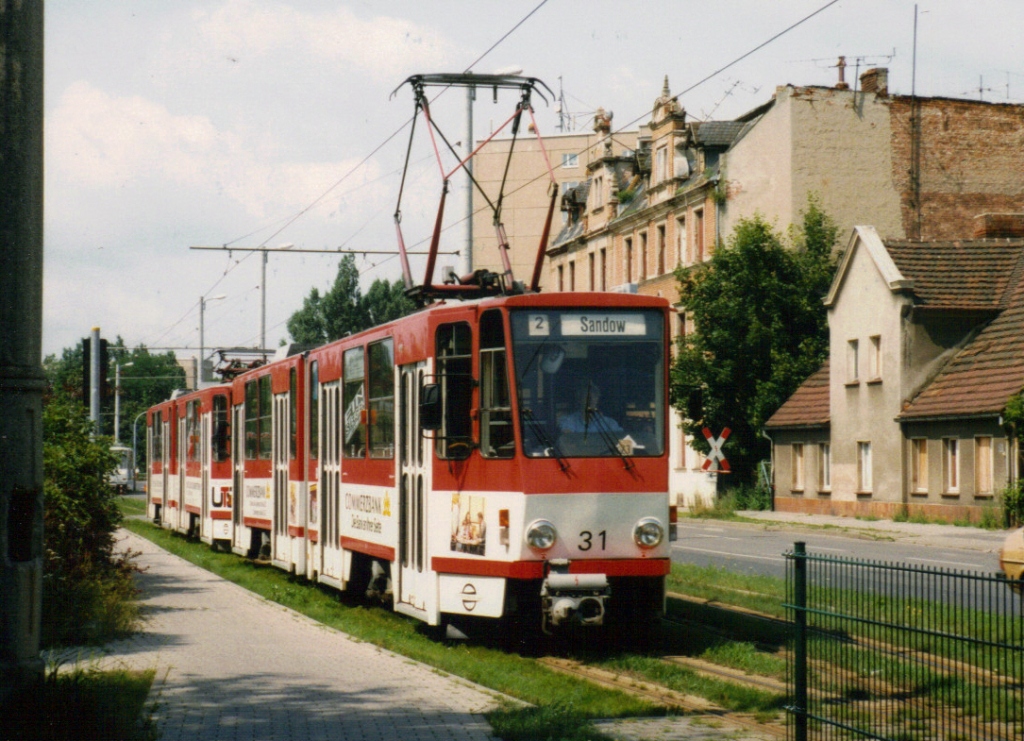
x=236 y=667
x=232 y=666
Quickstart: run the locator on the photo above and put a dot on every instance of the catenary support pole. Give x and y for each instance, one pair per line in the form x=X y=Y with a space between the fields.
x=21 y=311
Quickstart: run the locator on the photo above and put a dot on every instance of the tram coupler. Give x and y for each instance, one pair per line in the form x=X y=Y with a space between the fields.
x=579 y=599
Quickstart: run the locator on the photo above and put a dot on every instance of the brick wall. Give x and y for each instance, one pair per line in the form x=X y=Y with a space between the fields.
x=971 y=162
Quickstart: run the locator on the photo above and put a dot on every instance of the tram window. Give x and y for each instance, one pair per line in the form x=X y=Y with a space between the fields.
x=455 y=377
x=221 y=428
x=314 y=410
x=192 y=444
x=158 y=436
x=381 y=427
x=266 y=407
x=496 y=438
x=293 y=414
x=252 y=420
x=354 y=421
x=590 y=382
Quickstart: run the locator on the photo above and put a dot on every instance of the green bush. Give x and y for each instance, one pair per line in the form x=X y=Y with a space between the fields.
x=88 y=588
x=1012 y=502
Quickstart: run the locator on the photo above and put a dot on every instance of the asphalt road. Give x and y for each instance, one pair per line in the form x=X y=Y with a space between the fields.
x=758 y=548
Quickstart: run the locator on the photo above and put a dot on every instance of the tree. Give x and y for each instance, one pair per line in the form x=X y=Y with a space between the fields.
x=345 y=310
x=151 y=378
x=760 y=330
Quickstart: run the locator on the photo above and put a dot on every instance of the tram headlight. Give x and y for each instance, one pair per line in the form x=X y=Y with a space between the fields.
x=541 y=535
x=648 y=533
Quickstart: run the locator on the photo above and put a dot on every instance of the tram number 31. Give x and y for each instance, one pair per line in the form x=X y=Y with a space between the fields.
x=588 y=540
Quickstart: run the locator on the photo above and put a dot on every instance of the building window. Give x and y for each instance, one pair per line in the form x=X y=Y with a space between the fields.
x=570 y=160
x=680 y=239
x=604 y=270
x=919 y=466
x=661 y=164
x=572 y=276
x=561 y=278
x=824 y=467
x=590 y=265
x=661 y=250
x=698 y=235
x=983 y=485
x=875 y=359
x=643 y=255
x=598 y=191
x=951 y=465
x=864 y=467
x=852 y=362
x=798 y=466
x=629 y=259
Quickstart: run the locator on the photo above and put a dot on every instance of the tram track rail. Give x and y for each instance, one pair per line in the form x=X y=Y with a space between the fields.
x=692 y=705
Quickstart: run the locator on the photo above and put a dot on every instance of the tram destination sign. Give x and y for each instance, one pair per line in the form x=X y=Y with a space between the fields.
x=591 y=324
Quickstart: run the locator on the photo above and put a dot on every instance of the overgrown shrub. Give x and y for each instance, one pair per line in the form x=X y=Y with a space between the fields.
x=88 y=588
x=1012 y=504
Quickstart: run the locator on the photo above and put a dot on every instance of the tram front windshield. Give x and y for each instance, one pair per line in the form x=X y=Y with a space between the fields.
x=590 y=382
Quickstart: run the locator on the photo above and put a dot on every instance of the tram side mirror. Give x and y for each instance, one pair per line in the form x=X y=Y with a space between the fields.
x=430 y=407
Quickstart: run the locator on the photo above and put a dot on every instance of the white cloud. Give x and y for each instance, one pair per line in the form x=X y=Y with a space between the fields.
x=98 y=141
x=381 y=46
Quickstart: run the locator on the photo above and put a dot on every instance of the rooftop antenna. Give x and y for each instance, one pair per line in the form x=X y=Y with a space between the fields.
x=981 y=89
x=752 y=89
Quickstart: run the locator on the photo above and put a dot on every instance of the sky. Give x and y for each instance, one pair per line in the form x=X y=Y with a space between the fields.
x=262 y=123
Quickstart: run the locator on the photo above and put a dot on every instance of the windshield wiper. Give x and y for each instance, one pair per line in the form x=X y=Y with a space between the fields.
x=549 y=445
x=606 y=434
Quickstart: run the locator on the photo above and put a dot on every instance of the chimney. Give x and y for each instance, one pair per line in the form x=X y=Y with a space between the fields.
x=842 y=84
x=999 y=226
x=875 y=81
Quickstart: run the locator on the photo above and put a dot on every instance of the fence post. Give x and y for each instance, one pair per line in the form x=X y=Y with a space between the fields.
x=800 y=639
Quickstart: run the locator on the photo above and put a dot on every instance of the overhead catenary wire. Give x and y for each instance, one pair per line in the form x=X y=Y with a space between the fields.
x=288 y=221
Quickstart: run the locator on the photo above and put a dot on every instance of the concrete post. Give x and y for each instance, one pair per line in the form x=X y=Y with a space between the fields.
x=21 y=310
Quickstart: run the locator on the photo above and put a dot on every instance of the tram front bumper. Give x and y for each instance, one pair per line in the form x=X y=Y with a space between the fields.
x=574 y=598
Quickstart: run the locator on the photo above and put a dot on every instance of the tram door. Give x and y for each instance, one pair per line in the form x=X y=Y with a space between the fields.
x=165 y=465
x=330 y=483
x=205 y=443
x=416 y=582
x=239 y=545
x=281 y=550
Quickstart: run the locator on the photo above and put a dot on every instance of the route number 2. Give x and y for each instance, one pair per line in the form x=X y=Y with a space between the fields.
x=588 y=540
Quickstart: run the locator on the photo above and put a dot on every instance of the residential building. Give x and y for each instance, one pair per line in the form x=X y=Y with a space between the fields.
x=926 y=349
x=527 y=191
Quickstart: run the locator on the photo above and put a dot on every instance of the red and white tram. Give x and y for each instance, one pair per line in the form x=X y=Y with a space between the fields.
x=499 y=453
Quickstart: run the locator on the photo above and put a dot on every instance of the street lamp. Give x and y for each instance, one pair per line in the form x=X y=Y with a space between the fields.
x=117 y=400
x=135 y=451
x=202 y=348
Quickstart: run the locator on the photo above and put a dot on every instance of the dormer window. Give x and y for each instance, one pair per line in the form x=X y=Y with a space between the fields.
x=598 y=191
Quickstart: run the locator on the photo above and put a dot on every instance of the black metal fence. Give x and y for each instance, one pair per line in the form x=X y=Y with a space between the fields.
x=890 y=651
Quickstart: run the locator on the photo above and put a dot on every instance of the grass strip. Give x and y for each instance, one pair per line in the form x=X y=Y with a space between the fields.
x=519 y=677
x=82 y=703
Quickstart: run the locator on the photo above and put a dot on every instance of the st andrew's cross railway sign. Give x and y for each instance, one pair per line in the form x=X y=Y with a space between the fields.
x=716 y=459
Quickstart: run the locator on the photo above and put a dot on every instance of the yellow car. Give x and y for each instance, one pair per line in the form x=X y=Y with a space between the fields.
x=1011 y=559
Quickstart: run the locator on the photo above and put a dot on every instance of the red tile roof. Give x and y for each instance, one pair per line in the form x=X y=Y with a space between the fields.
x=809 y=404
x=980 y=378
x=971 y=275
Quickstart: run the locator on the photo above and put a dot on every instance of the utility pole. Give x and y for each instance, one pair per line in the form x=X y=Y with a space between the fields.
x=21 y=332
x=95 y=368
